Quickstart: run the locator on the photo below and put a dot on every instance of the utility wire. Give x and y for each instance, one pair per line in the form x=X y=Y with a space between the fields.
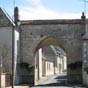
x=13 y=3
x=85 y=1
x=13 y=9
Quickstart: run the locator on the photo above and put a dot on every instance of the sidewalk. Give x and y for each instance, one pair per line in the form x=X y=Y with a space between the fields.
x=19 y=87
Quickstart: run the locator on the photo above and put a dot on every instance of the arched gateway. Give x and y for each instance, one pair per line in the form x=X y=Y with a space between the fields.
x=65 y=34
x=35 y=36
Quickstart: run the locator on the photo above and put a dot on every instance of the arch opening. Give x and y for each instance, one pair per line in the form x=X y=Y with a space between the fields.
x=49 y=41
x=50 y=58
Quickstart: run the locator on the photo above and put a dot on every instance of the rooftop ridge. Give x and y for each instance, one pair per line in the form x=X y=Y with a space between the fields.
x=52 y=21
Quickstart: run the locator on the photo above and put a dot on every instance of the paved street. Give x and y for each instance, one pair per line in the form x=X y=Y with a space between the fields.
x=19 y=87
x=58 y=81
x=45 y=87
x=58 y=87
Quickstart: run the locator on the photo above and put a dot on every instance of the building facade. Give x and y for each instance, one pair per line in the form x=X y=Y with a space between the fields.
x=34 y=36
x=66 y=34
x=6 y=38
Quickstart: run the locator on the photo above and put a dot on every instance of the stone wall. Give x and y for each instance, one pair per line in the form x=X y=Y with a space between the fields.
x=68 y=32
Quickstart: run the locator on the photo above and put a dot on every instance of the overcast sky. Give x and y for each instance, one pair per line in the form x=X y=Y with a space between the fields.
x=46 y=9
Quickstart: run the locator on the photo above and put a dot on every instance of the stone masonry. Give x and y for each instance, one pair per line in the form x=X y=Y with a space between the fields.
x=68 y=32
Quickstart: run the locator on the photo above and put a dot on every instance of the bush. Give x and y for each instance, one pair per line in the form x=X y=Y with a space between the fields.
x=75 y=65
x=27 y=66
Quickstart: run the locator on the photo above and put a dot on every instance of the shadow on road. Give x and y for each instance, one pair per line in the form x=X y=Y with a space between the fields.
x=59 y=81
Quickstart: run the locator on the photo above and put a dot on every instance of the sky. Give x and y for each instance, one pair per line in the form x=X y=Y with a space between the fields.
x=46 y=9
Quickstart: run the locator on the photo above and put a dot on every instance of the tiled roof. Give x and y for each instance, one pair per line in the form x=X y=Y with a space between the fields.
x=5 y=20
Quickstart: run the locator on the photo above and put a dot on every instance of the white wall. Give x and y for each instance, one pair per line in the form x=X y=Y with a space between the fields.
x=2 y=81
x=49 y=68
x=16 y=42
x=6 y=43
x=6 y=35
x=40 y=63
x=16 y=39
x=65 y=63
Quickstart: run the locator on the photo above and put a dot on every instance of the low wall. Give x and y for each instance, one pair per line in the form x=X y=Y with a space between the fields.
x=8 y=80
x=26 y=79
x=74 y=78
x=85 y=78
x=2 y=79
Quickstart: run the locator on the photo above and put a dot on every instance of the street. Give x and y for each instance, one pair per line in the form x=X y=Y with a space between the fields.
x=57 y=81
x=52 y=81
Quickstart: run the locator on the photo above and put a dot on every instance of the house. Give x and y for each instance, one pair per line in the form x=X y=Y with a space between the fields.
x=49 y=62
x=7 y=26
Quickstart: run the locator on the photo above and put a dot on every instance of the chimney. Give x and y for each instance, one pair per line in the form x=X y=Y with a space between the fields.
x=16 y=15
x=83 y=16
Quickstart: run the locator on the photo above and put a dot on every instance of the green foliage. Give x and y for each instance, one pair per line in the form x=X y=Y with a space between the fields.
x=27 y=66
x=75 y=65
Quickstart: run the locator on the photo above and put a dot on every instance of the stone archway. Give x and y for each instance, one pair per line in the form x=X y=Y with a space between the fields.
x=42 y=62
x=67 y=31
x=48 y=41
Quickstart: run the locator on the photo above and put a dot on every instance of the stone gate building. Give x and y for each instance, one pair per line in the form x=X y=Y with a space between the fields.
x=37 y=34
x=67 y=34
